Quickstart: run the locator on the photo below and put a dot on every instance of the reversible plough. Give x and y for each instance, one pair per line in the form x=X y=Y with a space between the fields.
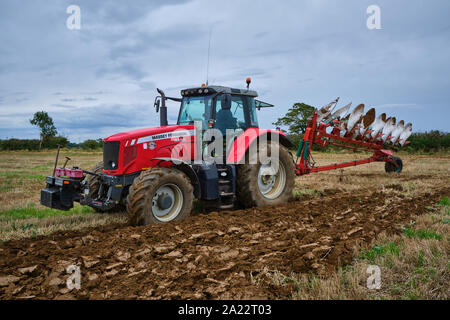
x=352 y=131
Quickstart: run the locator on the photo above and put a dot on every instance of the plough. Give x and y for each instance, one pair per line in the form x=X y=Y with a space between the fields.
x=354 y=131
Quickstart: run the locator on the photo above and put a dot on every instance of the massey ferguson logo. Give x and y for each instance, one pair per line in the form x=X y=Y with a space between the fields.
x=162 y=136
x=167 y=135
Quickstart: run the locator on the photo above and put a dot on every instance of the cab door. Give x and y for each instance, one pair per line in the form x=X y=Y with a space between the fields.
x=239 y=114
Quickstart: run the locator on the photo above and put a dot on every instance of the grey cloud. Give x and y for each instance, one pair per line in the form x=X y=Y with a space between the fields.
x=125 y=70
x=59 y=105
x=101 y=116
x=311 y=51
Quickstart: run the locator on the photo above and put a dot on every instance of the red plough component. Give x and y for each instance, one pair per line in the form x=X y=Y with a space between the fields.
x=355 y=138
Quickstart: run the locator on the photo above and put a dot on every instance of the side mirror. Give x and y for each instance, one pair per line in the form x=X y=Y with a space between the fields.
x=226 y=101
x=157 y=103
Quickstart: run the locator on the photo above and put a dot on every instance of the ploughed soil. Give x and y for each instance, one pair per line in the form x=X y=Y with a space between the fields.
x=208 y=256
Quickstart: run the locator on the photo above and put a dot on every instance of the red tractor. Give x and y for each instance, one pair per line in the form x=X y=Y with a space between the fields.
x=156 y=173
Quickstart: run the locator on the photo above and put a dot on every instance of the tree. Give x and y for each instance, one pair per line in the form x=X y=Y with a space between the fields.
x=92 y=144
x=42 y=120
x=296 y=119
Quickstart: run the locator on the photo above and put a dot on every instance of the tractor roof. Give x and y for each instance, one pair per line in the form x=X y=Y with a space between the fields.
x=217 y=89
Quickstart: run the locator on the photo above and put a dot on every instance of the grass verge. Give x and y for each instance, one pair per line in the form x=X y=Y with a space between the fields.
x=31 y=222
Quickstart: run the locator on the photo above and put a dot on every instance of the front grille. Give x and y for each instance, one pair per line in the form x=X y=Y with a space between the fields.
x=111 y=155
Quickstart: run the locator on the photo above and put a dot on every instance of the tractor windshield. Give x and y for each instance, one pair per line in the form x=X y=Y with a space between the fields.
x=195 y=109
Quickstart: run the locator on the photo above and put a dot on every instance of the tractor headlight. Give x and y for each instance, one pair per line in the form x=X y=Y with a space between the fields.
x=113 y=164
x=200 y=91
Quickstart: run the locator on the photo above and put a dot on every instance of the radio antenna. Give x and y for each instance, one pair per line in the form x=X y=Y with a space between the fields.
x=209 y=48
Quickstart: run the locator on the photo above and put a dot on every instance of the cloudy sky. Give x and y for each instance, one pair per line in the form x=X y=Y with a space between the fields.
x=102 y=79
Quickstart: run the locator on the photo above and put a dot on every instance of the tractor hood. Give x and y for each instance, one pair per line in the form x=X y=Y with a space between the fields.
x=147 y=132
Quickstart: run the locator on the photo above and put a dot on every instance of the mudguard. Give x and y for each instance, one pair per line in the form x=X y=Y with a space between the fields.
x=243 y=142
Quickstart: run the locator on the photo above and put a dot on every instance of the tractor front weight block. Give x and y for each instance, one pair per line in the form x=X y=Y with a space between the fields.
x=61 y=192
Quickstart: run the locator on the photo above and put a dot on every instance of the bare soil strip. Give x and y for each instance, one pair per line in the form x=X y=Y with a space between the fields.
x=209 y=256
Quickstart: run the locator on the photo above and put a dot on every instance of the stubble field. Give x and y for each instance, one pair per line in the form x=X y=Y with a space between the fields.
x=318 y=246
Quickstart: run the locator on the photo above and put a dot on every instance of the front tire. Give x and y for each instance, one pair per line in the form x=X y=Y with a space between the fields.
x=259 y=185
x=159 y=195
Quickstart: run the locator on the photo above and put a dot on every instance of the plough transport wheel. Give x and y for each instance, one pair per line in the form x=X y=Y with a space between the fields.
x=395 y=166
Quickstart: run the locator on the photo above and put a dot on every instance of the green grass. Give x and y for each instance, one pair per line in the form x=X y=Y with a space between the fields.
x=42 y=167
x=22 y=174
x=300 y=193
x=6 y=185
x=445 y=201
x=421 y=234
x=31 y=212
x=381 y=250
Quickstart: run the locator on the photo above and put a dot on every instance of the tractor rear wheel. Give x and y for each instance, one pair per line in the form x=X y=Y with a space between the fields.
x=94 y=183
x=261 y=183
x=396 y=166
x=159 y=195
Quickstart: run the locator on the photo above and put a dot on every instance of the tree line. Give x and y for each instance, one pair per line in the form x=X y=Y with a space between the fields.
x=48 y=137
x=293 y=123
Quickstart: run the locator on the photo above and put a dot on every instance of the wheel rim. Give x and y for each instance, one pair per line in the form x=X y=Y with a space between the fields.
x=167 y=202
x=270 y=183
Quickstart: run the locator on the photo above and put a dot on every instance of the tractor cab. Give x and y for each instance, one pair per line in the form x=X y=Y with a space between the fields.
x=220 y=107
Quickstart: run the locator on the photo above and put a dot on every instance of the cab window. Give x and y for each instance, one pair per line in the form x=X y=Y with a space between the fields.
x=252 y=111
x=195 y=109
x=232 y=118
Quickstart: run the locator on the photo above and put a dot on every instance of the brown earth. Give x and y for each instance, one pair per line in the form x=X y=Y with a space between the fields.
x=208 y=256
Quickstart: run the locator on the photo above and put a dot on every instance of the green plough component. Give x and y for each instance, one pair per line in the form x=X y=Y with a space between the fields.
x=300 y=148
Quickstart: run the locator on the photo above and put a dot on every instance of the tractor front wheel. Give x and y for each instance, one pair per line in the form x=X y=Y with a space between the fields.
x=266 y=182
x=394 y=166
x=159 y=195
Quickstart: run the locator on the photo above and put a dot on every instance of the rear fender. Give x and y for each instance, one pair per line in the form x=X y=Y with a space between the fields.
x=243 y=142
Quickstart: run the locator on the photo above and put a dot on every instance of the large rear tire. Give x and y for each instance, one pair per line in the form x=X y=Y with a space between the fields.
x=159 y=195
x=259 y=185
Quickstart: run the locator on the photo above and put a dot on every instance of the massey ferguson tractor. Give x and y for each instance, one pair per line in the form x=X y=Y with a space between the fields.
x=156 y=173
